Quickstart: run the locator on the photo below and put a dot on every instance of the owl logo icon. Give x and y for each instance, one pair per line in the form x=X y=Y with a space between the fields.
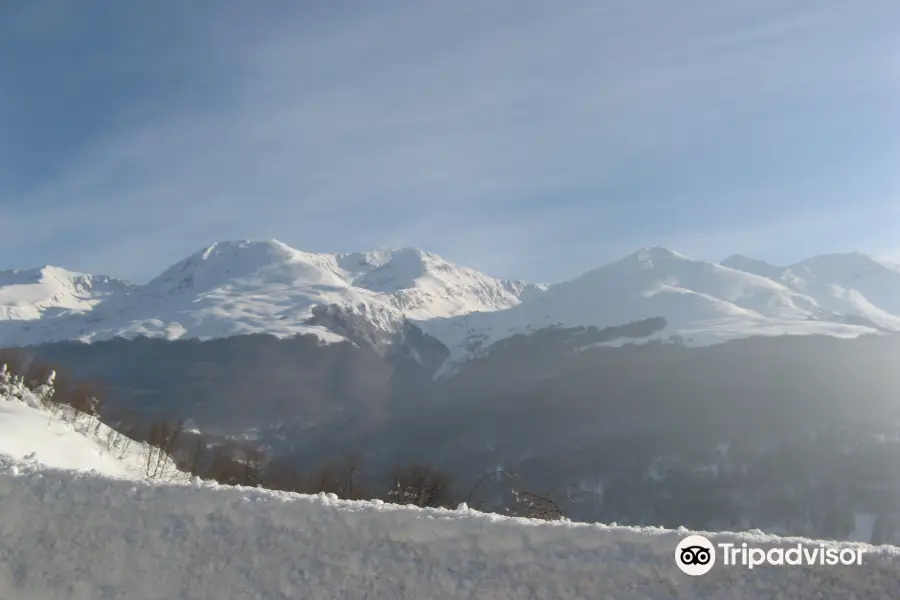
x=695 y=555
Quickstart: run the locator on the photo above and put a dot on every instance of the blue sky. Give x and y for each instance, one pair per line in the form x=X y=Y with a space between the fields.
x=529 y=139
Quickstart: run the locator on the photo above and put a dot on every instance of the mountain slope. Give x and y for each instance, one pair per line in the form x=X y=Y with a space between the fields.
x=849 y=284
x=423 y=285
x=752 y=265
x=35 y=293
x=702 y=301
x=40 y=437
x=854 y=284
x=242 y=287
x=234 y=288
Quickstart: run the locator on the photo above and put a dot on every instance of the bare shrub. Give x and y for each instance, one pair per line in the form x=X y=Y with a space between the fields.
x=342 y=477
x=533 y=506
x=234 y=465
x=86 y=398
x=113 y=438
x=195 y=458
x=162 y=436
x=55 y=390
x=284 y=475
x=421 y=485
x=485 y=478
x=119 y=437
x=253 y=462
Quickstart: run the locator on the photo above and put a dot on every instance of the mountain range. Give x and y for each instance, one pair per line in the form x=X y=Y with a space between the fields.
x=573 y=386
x=241 y=287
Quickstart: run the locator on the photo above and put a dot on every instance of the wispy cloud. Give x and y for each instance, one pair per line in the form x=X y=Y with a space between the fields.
x=490 y=132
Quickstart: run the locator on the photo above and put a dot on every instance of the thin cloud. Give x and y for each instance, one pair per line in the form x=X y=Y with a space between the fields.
x=427 y=122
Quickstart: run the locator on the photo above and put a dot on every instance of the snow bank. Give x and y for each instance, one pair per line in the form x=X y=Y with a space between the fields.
x=75 y=535
x=31 y=434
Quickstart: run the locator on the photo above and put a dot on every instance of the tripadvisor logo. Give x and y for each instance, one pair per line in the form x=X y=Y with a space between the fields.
x=696 y=555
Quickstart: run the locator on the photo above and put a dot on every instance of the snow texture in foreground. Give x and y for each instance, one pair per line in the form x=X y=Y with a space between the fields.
x=75 y=535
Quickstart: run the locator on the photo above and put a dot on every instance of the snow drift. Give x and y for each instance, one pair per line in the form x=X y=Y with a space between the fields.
x=72 y=535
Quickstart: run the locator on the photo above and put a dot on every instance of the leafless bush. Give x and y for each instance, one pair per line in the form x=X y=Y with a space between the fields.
x=230 y=464
x=86 y=398
x=163 y=434
x=116 y=440
x=57 y=392
x=420 y=485
x=485 y=478
x=284 y=475
x=118 y=436
x=533 y=506
x=193 y=459
x=342 y=477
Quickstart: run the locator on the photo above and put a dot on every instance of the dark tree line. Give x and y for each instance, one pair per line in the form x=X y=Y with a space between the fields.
x=167 y=441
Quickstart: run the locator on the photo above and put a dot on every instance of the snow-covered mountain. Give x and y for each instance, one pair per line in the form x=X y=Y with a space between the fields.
x=233 y=288
x=851 y=284
x=35 y=293
x=703 y=302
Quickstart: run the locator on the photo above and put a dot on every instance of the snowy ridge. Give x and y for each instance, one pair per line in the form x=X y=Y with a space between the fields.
x=703 y=302
x=118 y=539
x=35 y=293
x=233 y=288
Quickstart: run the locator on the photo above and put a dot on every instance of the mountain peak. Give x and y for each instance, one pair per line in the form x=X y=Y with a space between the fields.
x=27 y=294
x=388 y=270
x=271 y=248
x=658 y=252
x=842 y=262
x=743 y=258
x=60 y=275
x=380 y=257
x=223 y=261
x=650 y=256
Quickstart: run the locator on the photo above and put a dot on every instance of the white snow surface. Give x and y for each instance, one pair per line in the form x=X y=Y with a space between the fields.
x=239 y=287
x=35 y=436
x=70 y=535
